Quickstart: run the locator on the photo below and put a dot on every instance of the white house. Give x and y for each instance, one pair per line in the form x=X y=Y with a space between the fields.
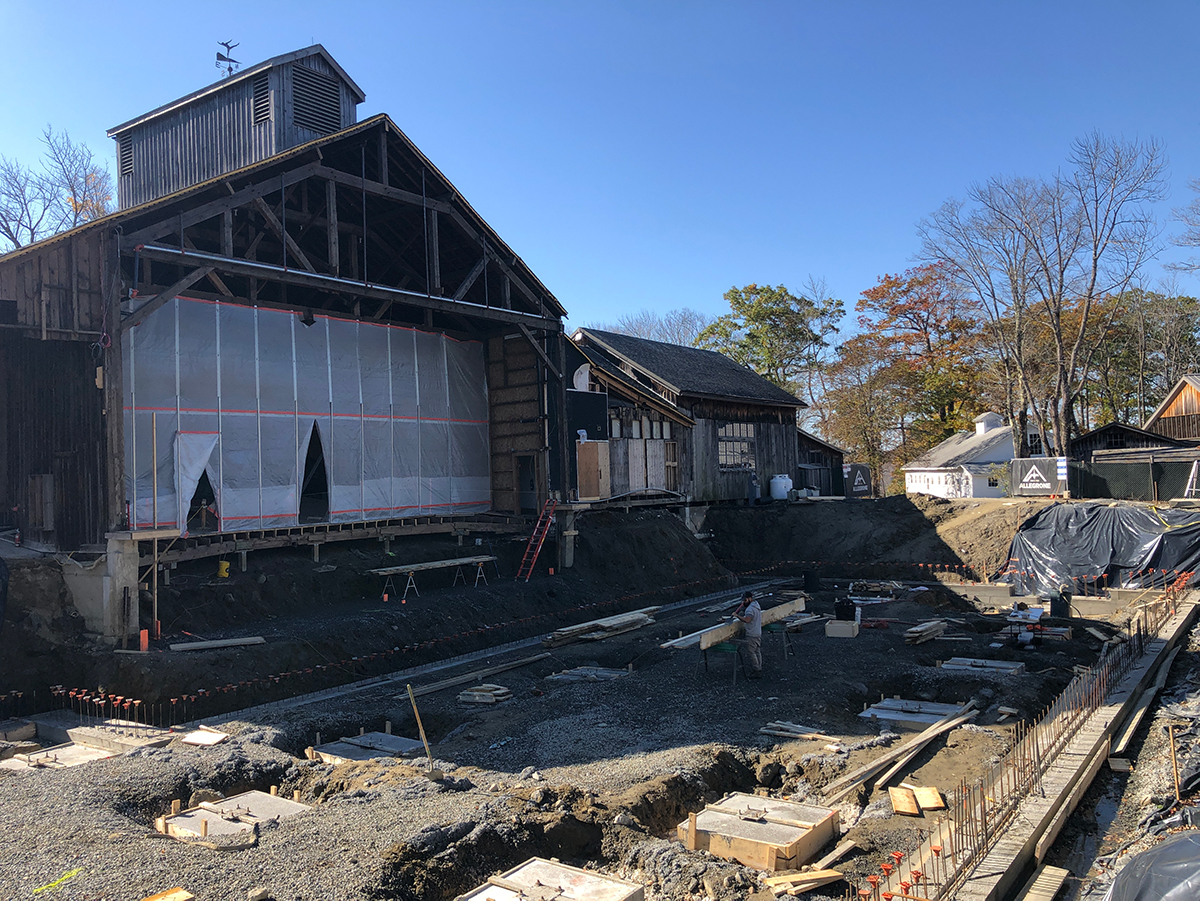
x=964 y=465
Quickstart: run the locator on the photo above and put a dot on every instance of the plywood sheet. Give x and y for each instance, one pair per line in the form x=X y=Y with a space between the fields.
x=904 y=802
x=929 y=798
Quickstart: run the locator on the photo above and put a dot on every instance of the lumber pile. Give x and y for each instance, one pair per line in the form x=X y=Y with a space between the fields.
x=484 y=694
x=925 y=632
x=1000 y=667
x=588 y=674
x=797 y=623
x=898 y=757
x=799 y=883
x=599 y=629
x=787 y=729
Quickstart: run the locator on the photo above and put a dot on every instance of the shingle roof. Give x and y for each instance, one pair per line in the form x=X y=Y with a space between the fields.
x=962 y=448
x=690 y=370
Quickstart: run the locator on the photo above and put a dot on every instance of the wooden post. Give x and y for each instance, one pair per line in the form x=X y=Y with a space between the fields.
x=691 y=840
x=204 y=828
x=274 y=791
x=1174 y=759
x=334 y=251
x=175 y=807
x=435 y=264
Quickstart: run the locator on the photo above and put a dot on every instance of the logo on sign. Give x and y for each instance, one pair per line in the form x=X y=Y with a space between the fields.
x=859 y=480
x=1034 y=479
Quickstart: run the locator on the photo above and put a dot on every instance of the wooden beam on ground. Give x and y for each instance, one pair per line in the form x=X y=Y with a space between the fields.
x=218 y=643
x=164 y=297
x=712 y=635
x=836 y=854
x=904 y=802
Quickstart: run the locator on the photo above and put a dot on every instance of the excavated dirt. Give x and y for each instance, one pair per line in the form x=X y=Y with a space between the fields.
x=594 y=773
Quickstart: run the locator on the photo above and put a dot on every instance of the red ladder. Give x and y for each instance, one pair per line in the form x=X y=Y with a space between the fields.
x=537 y=539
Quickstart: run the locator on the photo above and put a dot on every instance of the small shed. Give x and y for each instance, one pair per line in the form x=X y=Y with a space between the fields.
x=820 y=466
x=1117 y=436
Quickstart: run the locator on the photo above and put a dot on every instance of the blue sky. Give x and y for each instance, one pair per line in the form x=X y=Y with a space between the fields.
x=653 y=154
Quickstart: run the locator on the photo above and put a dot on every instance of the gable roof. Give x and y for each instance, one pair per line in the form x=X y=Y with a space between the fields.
x=1190 y=380
x=809 y=436
x=963 y=448
x=621 y=383
x=1132 y=429
x=314 y=50
x=690 y=370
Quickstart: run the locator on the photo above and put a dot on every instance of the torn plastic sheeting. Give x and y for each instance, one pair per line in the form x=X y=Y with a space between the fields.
x=1169 y=871
x=1077 y=544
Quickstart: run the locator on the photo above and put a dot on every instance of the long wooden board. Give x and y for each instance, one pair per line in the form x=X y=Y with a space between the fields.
x=432 y=564
x=706 y=638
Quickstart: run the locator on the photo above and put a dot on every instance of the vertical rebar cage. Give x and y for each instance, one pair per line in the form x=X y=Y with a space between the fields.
x=237 y=393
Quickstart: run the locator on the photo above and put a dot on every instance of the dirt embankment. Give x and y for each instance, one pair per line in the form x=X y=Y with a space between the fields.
x=896 y=537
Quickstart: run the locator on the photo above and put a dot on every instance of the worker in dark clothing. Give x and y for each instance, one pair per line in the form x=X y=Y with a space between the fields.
x=750 y=648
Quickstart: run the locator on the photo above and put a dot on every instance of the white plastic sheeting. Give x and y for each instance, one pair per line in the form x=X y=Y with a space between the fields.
x=237 y=392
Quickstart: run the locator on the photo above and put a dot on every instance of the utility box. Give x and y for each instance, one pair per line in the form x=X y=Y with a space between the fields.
x=838 y=628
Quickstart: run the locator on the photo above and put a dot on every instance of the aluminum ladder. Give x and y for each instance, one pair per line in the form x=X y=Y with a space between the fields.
x=537 y=539
x=1191 y=490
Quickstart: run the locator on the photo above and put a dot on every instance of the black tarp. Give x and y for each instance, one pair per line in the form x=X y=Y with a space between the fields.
x=1084 y=545
x=1169 y=871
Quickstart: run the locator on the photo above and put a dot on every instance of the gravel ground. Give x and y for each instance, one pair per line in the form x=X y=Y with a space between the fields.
x=547 y=773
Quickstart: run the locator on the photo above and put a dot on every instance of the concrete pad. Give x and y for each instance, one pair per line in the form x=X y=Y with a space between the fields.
x=205 y=737
x=1096 y=608
x=55 y=758
x=228 y=816
x=764 y=833
x=115 y=735
x=17 y=730
x=538 y=879
x=371 y=746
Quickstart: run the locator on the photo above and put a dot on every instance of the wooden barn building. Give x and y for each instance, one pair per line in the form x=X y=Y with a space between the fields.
x=1178 y=416
x=650 y=417
x=295 y=329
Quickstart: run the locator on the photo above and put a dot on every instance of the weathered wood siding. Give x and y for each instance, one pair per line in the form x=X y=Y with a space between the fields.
x=517 y=419
x=775 y=451
x=58 y=290
x=55 y=427
x=1182 y=426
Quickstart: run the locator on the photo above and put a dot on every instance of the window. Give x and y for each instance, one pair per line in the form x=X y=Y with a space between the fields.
x=262 y=98
x=1035 y=443
x=125 y=154
x=635 y=429
x=656 y=430
x=614 y=428
x=735 y=445
x=317 y=100
x=993 y=482
x=667 y=430
x=1115 y=440
x=671 y=458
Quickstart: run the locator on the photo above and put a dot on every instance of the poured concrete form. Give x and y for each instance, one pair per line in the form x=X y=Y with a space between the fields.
x=370 y=746
x=909 y=714
x=228 y=816
x=538 y=879
x=114 y=735
x=765 y=833
x=55 y=758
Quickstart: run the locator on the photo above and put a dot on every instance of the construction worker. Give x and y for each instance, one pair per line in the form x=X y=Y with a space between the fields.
x=750 y=613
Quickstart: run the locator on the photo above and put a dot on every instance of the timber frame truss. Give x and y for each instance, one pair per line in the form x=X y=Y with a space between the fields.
x=357 y=225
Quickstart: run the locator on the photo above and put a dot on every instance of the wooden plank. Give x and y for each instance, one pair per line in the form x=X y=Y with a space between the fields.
x=712 y=635
x=790 y=879
x=928 y=797
x=836 y=854
x=432 y=564
x=1044 y=885
x=1122 y=741
x=904 y=802
x=218 y=643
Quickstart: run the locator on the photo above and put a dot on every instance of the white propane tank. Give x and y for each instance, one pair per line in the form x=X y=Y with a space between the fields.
x=780 y=486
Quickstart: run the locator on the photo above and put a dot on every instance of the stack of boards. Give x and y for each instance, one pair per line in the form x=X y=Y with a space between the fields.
x=925 y=632
x=599 y=629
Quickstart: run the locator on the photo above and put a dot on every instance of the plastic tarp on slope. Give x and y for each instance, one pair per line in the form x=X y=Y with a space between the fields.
x=237 y=391
x=1169 y=871
x=1078 y=544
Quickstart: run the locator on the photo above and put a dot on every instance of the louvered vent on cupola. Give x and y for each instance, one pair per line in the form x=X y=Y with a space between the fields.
x=262 y=98
x=317 y=100
x=125 y=154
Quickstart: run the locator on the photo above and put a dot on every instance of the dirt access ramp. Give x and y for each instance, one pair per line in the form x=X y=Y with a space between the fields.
x=900 y=536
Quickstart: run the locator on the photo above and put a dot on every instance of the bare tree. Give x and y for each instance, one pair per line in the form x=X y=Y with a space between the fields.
x=69 y=189
x=682 y=326
x=1054 y=248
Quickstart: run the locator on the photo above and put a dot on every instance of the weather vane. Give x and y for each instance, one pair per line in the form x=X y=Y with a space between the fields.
x=224 y=60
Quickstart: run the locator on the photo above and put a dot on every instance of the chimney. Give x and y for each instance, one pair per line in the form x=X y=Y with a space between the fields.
x=988 y=422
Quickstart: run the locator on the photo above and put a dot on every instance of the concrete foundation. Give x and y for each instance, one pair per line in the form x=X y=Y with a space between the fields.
x=105 y=591
x=997 y=595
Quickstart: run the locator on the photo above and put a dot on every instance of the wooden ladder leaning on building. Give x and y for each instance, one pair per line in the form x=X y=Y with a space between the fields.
x=537 y=539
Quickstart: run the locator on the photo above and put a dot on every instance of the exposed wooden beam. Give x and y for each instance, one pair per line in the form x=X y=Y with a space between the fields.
x=217 y=281
x=164 y=297
x=383 y=155
x=274 y=224
x=227 y=233
x=435 y=257
x=335 y=253
x=538 y=348
x=333 y=285
x=237 y=198
x=470 y=279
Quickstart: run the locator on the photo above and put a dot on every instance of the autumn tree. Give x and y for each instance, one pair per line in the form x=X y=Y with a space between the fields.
x=865 y=401
x=780 y=335
x=68 y=189
x=1042 y=253
x=927 y=329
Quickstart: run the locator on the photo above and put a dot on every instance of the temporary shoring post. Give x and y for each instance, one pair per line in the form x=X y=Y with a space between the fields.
x=154 y=568
x=979 y=813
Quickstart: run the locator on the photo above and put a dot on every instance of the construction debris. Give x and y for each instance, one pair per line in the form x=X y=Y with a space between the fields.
x=797 y=623
x=799 y=883
x=1000 y=667
x=840 y=628
x=599 y=629
x=904 y=802
x=369 y=746
x=472 y=676
x=909 y=714
x=171 y=894
x=484 y=694
x=792 y=730
x=588 y=674
x=925 y=632
x=765 y=833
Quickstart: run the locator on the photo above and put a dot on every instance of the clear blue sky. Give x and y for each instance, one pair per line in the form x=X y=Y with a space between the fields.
x=653 y=154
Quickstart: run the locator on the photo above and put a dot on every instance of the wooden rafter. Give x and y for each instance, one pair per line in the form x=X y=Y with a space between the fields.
x=164 y=297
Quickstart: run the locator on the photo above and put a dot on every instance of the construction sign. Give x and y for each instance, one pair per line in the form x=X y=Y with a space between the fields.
x=1039 y=477
x=857 y=478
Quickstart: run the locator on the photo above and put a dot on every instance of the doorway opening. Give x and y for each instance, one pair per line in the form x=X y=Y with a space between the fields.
x=202 y=509
x=527 y=497
x=314 y=489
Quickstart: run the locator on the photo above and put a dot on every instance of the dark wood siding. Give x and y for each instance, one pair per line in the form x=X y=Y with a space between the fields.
x=55 y=427
x=58 y=291
x=1185 y=426
x=517 y=422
